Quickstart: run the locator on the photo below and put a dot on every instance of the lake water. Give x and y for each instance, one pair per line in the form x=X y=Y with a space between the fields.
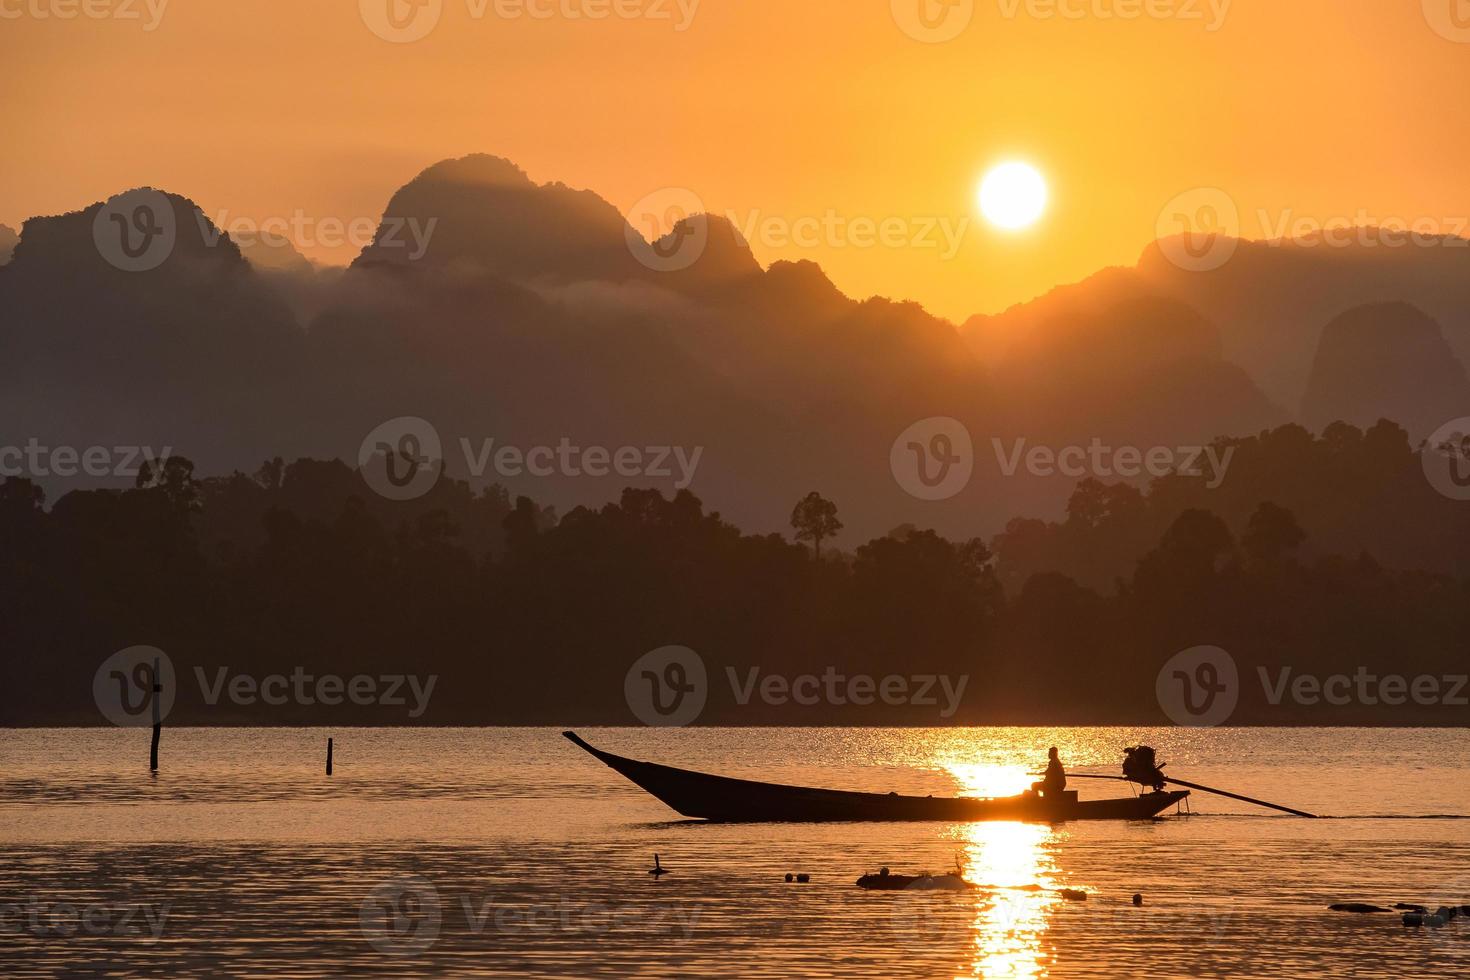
x=509 y=852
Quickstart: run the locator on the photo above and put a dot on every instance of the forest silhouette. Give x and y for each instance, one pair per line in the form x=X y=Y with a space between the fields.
x=1304 y=559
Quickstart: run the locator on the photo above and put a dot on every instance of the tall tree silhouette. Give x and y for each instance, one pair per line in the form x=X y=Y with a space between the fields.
x=815 y=518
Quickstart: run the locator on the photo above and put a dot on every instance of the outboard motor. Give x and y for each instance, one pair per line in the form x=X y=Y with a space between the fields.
x=1141 y=765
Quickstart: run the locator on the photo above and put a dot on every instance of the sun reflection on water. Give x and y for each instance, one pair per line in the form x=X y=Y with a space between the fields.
x=986 y=780
x=1016 y=872
x=1018 y=883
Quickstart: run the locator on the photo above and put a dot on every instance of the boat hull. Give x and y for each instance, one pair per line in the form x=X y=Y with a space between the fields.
x=704 y=796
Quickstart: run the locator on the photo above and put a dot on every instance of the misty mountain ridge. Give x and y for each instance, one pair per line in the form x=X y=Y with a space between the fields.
x=528 y=317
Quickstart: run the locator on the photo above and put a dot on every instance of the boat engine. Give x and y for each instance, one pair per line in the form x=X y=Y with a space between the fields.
x=1141 y=765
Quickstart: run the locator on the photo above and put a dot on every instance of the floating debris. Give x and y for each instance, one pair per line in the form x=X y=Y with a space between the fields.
x=1074 y=895
x=1358 y=907
x=658 y=870
x=1137 y=900
x=803 y=879
x=886 y=881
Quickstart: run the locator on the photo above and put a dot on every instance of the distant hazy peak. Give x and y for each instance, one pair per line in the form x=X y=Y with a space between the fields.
x=1392 y=315
x=478 y=169
x=75 y=237
x=1385 y=360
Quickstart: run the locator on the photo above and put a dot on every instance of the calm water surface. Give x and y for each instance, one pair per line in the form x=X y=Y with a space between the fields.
x=509 y=852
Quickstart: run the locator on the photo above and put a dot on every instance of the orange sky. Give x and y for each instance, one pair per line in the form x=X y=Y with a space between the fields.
x=777 y=109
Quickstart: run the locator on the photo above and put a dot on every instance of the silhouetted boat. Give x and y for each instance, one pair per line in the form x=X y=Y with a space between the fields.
x=721 y=798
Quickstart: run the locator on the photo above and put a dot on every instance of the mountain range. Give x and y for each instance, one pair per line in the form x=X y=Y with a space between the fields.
x=534 y=314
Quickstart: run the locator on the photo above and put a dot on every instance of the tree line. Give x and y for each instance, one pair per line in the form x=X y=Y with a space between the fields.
x=529 y=617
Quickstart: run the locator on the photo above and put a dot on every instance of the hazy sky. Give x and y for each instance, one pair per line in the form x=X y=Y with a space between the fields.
x=775 y=110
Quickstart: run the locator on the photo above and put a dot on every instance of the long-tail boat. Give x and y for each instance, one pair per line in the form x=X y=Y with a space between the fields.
x=721 y=798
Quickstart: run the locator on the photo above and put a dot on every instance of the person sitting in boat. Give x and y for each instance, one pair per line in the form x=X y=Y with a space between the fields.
x=1055 y=779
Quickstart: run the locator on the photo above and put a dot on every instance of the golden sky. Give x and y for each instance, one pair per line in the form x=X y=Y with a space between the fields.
x=773 y=110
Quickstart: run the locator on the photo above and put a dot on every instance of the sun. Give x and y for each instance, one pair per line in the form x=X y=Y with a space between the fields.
x=1012 y=195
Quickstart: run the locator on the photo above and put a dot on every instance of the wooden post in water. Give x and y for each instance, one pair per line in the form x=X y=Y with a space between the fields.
x=329 y=756
x=157 y=717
